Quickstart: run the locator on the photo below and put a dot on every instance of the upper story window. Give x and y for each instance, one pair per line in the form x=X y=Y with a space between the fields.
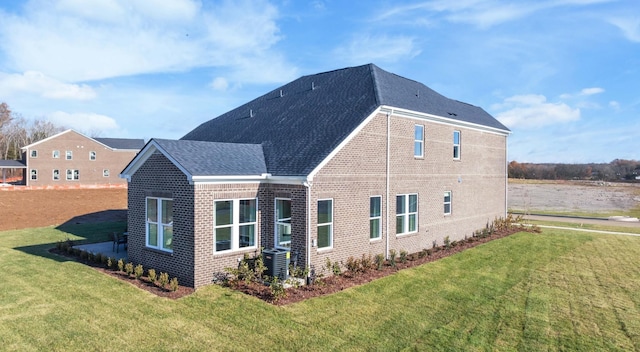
x=235 y=224
x=56 y=175
x=92 y=155
x=418 y=143
x=34 y=174
x=406 y=213
x=447 y=203
x=159 y=224
x=325 y=223
x=375 y=217
x=34 y=153
x=283 y=222
x=105 y=173
x=69 y=155
x=56 y=154
x=456 y=145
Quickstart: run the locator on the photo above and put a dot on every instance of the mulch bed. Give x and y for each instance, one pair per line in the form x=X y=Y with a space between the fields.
x=327 y=285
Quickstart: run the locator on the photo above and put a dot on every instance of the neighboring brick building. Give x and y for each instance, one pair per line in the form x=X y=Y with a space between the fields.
x=332 y=165
x=71 y=159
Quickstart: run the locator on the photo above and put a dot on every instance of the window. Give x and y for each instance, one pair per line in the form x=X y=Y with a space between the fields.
x=92 y=155
x=406 y=213
x=73 y=175
x=105 y=173
x=159 y=224
x=447 y=203
x=56 y=154
x=34 y=174
x=456 y=145
x=325 y=223
x=283 y=223
x=56 y=175
x=375 y=216
x=418 y=143
x=69 y=155
x=34 y=153
x=235 y=223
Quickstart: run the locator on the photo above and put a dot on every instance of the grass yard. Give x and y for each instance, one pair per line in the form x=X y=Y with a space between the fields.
x=559 y=290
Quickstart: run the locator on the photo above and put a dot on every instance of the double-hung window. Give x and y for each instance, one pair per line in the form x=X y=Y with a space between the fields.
x=325 y=223
x=55 y=154
x=73 y=175
x=456 y=145
x=418 y=143
x=68 y=155
x=283 y=223
x=92 y=155
x=34 y=174
x=406 y=213
x=235 y=224
x=34 y=153
x=375 y=217
x=56 y=175
x=447 y=203
x=159 y=229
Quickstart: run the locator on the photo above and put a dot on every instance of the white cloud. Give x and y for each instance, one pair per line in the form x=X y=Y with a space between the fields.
x=533 y=111
x=591 y=91
x=630 y=27
x=614 y=105
x=383 y=48
x=76 y=40
x=83 y=121
x=47 y=87
x=220 y=83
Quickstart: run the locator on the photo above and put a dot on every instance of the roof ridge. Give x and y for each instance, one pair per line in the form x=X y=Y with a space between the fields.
x=376 y=89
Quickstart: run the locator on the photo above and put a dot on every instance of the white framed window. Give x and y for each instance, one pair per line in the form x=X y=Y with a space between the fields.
x=325 y=223
x=56 y=175
x=456 y=145
x=34 y=153
x=159 y=223
x=105 y=173
x=235 y=224
x=375 y=217
x=73 y=175
x=34 y=174
x=406 y=213
x=447 y=203
x=418 y=143
x=68 y=155
x=92 y=155
x=283 y=222
x=55 y=154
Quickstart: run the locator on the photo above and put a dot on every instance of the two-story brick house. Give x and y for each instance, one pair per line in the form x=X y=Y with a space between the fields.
x=331 y=165
x=71 y=159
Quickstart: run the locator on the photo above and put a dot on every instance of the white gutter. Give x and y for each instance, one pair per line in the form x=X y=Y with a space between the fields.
x=307 y=184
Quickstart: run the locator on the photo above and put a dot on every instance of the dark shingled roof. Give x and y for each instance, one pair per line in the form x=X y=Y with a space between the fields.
x=12 y=164
x=122 y=143
x=213 y=158
x=300 y=123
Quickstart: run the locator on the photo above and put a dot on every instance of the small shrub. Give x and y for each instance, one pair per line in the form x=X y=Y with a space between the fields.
x=138 y=271
x=260 y=268
x=366 y=262
x=90 y=257
x=298 y=271
x=163 y=280
x=403 y=256
x=120 y=265
x=110 y=263
x=152 y=276
x=128 y=268
x=335 y=268
x=277 y=289
x=379 y=261
x=76 y=251
x=392 y=257
x=447 y=242
x=103 y=260
x=83 y=255
x=98 y=258
x=353 y=265
x=173 y=284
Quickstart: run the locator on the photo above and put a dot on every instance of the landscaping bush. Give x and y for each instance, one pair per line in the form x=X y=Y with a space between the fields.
x=173 y=284
x=379 y=261
x=152 y=276
x=403 y=256
x=138 y=271
x=121 y=265
x=128 y=268
x=163 y=280
x=392 y=257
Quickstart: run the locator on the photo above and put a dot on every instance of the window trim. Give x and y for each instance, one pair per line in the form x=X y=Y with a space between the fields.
x=416 y=141
x=406 y=215
x=158 y=223
x=33 y=154
x=235 y=226
x=33 y=175
x=92 y=156
x=75 y=175
x=68 y=155
x=330 y=224
x=449 y=203
x=53 y=175
x=55 y=154
x=282 y=221
x=105 y=173
x=379 y=218
x=456 y=146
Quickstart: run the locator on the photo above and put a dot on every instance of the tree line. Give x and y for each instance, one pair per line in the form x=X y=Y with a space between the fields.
x=17 y=132
x=617 y=170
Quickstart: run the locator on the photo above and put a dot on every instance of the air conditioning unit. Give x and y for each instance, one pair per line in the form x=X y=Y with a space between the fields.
x=277 y=262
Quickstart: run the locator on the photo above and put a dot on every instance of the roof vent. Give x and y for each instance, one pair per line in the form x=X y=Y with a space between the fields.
x=313 y=86
x=452 y=114
x=418 y=94
x=250 y=112
x=281 y=93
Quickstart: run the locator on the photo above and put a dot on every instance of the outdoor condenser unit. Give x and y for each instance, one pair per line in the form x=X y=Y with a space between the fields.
x=277 y=262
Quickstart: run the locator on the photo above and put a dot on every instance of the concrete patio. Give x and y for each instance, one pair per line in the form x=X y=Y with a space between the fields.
x=104 y=248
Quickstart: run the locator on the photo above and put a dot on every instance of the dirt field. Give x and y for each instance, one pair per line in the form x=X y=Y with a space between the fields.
x=588 y=197
x=37 y=208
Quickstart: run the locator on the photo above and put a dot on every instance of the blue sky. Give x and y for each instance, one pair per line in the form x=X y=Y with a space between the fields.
x=563 y=75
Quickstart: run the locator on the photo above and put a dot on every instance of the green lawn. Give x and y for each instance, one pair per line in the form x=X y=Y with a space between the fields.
x=558 y=290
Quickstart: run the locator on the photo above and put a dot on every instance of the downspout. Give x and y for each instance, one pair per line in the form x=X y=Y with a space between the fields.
x=388 y=171
x=307 y=184
x=506 y=176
